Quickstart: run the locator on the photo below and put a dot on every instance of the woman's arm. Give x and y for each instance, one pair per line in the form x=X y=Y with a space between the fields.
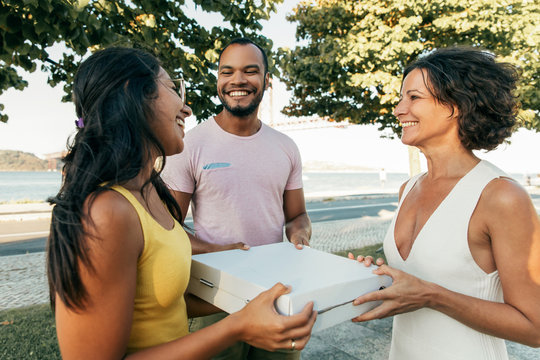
x=101 y=330
x=514 y=229
x=257 y=323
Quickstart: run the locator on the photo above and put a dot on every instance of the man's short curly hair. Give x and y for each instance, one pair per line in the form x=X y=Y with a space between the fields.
x=481 y=89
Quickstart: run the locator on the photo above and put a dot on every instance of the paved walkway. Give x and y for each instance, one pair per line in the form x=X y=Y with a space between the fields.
x=23 y=282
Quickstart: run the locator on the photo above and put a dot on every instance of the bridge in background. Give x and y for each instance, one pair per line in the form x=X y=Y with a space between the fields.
x=269 y=113
x=54 y=160
x=307 y=123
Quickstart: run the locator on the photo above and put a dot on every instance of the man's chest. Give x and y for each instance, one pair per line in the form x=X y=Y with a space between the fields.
x=242 y=169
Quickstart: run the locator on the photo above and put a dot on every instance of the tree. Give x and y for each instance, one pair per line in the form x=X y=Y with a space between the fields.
x=29 y=27
x=352 y=53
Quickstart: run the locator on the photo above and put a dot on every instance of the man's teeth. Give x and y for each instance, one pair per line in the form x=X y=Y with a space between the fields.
x=408 y=123
x=238 y=93
x=180 y=122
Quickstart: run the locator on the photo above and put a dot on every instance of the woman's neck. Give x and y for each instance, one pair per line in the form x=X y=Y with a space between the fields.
x=449 y=163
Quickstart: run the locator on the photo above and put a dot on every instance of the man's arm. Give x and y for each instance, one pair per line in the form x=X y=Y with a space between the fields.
x=183 y=199
x=297 y=222
x=199 y=246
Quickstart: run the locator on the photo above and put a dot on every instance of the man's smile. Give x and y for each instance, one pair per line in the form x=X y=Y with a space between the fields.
x=238 y=93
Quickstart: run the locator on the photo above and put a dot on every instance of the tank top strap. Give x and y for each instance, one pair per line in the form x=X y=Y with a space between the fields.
x=468 y=190
x=141 y=211
x=409 y=186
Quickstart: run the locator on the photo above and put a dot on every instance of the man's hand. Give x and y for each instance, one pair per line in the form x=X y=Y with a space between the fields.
x=238 y=245
x=297 y=222
x=299 y=240
x=199 y=246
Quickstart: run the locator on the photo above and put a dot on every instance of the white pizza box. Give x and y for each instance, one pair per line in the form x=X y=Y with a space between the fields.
x=230 y=279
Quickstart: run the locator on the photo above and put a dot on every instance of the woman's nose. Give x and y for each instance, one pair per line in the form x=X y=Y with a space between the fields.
x=186 y=110
x=399 y=109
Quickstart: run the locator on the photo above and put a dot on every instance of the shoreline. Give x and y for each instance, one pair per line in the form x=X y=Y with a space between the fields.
x=42 y=210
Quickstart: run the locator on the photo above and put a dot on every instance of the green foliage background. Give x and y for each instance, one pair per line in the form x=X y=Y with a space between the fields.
x=29 y=27
x=348 y=66
x=353 y=53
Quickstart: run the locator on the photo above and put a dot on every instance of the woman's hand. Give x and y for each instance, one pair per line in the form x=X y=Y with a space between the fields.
x=367 y=260
x=264 y=328
x=407 y=293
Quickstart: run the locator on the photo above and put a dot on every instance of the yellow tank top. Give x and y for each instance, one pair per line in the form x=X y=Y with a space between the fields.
x=163 y=269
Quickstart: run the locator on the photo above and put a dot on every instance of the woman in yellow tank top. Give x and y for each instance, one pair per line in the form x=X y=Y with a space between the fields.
x=118 y=258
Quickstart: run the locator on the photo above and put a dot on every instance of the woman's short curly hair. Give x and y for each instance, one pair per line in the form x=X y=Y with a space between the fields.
x=481 y=89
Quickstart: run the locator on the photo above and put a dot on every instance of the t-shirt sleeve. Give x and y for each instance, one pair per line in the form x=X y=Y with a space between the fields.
x=178 y=173
x=295 y=178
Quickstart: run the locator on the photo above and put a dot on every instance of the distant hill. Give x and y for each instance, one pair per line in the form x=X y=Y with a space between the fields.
x=11 y=160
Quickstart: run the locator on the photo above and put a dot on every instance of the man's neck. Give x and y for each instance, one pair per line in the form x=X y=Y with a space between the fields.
x=238 y=125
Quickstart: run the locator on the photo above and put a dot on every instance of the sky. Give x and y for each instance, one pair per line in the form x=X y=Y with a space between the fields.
x=40 y=123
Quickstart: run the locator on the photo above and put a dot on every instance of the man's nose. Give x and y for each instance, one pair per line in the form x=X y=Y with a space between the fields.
x=239 y=77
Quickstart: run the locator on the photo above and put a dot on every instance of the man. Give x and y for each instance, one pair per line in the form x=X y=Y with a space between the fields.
x=243 y=178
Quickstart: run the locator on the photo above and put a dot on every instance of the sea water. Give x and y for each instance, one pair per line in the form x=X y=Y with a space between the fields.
x=38 y=186
x=328 y=184
x=28 y=185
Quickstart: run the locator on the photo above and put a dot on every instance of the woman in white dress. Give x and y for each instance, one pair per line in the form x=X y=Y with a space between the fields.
x=464 y=246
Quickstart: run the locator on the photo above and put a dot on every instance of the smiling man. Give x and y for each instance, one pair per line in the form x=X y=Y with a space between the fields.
x=242 y=178
x=242 y=94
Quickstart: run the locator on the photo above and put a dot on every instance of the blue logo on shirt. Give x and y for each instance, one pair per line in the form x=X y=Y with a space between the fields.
x=215 y=166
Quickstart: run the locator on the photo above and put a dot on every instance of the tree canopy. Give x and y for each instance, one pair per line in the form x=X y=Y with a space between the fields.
x=353 y=53
x=29 y=27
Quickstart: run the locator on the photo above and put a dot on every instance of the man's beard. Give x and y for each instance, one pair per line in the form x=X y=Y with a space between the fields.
x=239 y=110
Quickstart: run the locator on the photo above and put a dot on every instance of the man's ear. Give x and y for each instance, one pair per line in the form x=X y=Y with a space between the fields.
x=266 y=81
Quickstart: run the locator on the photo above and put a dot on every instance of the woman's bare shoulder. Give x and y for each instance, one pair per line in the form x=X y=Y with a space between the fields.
x=504 y=193
x=109 y=215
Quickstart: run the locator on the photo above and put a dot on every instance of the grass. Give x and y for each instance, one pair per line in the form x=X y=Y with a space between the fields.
x=365 y=251
x=21 y=201
x=30 y=332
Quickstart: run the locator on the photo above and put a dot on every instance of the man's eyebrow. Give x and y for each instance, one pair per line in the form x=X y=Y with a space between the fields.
x=250 y=66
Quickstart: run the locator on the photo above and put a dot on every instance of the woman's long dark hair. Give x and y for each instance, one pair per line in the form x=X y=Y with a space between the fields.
x=113 y=93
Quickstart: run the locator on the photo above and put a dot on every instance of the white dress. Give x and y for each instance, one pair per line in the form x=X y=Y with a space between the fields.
x=440 y=254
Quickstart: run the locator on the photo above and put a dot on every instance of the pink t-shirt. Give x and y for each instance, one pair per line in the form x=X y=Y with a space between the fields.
x=237 y=182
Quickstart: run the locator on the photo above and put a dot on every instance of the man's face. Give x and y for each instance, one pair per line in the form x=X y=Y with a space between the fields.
x=241 y=79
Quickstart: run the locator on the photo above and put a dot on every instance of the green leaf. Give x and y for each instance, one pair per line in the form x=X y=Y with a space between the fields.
x=353 y=53
x=82 y=26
